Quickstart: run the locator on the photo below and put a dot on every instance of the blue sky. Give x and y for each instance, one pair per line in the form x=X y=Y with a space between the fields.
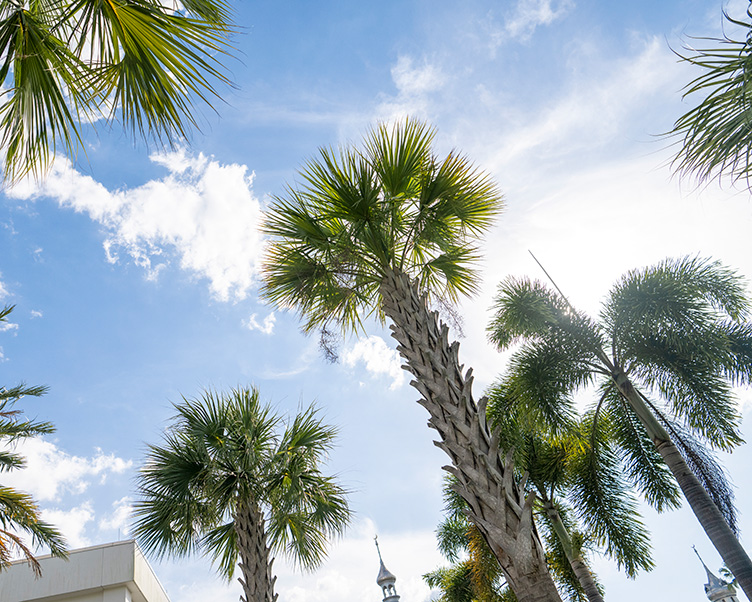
x=135 y=271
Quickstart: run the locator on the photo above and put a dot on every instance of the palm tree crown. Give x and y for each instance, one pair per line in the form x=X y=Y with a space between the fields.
x=61 y=61
x=225 y=480
x=391 y=206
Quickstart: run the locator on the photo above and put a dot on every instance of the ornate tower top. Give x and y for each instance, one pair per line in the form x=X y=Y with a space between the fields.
x=385 y=579
x=716 y=589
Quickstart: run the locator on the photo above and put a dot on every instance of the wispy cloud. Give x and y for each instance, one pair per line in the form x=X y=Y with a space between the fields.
x=266 y=326
x=416 y=82
x=203 y=210
x=528 y=15
x=378 y=359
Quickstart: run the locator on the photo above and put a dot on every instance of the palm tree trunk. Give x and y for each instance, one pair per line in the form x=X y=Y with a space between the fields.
x=498 y=505
x=707 y=513
x=576 y=561
x=255 y=564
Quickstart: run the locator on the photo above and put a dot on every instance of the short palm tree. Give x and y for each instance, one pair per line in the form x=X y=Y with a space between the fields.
x=715 y=136
x=382 y=230
x=671 y=341
x=227 y=483
x=64 y=63
x=583 y=501
x=19 y=514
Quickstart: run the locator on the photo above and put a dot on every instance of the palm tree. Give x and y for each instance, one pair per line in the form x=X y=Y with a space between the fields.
x=63 y=63
x=715 y=136
x=19 y=514
x=677 y=340
x=381 y=231
x=577 y=480
x=225 y=482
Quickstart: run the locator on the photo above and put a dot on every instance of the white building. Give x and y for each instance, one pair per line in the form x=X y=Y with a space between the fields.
x=115 y=572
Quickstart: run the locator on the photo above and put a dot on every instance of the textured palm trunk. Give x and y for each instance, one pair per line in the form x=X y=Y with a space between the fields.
x=703 y=506
x=498 y=506
x=576 y=561
x=255 y=561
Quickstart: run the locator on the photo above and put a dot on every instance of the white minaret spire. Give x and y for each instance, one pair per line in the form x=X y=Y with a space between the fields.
x=716 y=589
x=385 y=579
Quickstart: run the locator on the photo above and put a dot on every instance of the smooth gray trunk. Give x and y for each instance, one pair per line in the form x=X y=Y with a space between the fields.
x=498 y=504
x=576 y=561
x=255 y=560
x=710 y=518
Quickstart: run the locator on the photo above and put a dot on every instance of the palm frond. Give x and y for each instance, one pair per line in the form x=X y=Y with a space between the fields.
x=715 y=135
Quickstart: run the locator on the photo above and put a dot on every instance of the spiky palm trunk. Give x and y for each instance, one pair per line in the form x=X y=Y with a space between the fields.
x=710 y=518
x=255 y=562
x=576 y=561
x=498 y=505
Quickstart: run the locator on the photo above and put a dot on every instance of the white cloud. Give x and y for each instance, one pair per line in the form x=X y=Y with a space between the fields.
x=71 y=523
x=530 y=14
x=50 y=471
x=266 y=325
x=5 y=326
x=378 y=359
x=567 y=124
x=202 y=210
x=415 y=85
x=3 y=290
x=35 y=313
x=119 y=517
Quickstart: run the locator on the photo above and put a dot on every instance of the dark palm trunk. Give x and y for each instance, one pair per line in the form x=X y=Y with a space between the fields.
x=576 y=561
x=707 y=513
x=255 y=562
x=498 y=505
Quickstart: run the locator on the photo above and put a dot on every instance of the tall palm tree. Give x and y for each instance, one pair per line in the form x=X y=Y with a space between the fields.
x=68 y=62
x=677 y=339
x=380 y=231
x=19 y=514
x=715 y=136
x=227 y=483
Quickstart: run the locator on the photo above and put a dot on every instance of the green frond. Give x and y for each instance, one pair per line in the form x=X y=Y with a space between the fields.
x=607 y=508
x=62 y=61
x=715 y=136
x=523 y=309
x=643 y=464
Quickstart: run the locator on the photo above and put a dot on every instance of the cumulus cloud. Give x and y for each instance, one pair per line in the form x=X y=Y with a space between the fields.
x=71 y=523
x=378 y=358
x=50 y=471
x=119 y=517
x=203 y=211
x=3 y=290
x=266 y=326
x=528 y=15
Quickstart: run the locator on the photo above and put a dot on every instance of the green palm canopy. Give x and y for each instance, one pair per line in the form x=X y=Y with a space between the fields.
x=360 y=214
x=234 y=482
x=70 y=62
